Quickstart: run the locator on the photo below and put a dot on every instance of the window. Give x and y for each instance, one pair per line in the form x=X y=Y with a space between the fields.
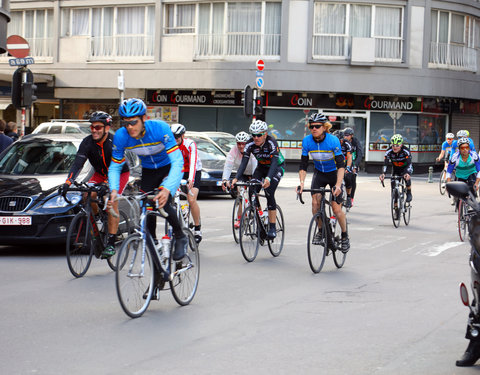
x=335 y=24
x=36 y=26
x=180 y=18
x=453 y=40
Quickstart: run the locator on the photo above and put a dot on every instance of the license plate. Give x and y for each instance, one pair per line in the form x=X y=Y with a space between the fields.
x=15 y=220
x=219 y=183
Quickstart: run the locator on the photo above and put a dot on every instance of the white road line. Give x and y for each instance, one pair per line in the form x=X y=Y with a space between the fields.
x=437 y=250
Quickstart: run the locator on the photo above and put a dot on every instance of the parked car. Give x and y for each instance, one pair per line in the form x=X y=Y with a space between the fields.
x=224 y=141
x=31 y=171
x=63 y=127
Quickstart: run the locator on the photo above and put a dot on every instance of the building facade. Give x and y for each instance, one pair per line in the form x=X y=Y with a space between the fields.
x=381 y=67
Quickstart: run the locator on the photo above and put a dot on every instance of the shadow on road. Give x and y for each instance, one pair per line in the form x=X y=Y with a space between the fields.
x=32 y=250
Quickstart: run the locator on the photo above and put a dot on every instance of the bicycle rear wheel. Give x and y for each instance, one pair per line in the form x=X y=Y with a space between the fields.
x=443 y=182
x=395 y=211
x=462 y=222
x=187 y=273
x=125 y=228
x=236 y=231
x=338 y=255
x=406 y=213
x=249 y=234
x=317 y=244
x=79 y=246
x=276 y=245
x=134 y=276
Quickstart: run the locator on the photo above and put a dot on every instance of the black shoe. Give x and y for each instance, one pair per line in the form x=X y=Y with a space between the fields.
x=471 y=355
x=345 y=244
x=409 y=196
x=349 y=202
x=108 y=252
x=272 y=233
x=155 y=293
x=180 y=248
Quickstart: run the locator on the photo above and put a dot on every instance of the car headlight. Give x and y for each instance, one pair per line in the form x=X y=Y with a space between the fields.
x=58 y=201
x=205 y=174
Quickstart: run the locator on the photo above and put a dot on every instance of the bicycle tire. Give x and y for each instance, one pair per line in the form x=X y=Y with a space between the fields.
x=462 y=222
x=338 y=255
x=317 y=252
x=406 y=213
x=276 y=245
x=79 y=247
x=395 y=211
x=442 y=182
x=236 y=231
x=185 y=280
x=134 y=289
x=125 y=228
x=249 y=234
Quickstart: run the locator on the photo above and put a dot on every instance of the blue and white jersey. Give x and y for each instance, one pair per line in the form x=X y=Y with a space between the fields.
x=156 y=148
x=322 y=153
x=463 y=169
x=455 y=146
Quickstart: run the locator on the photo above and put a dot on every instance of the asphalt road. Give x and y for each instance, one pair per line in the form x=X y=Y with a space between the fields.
x=393 y=309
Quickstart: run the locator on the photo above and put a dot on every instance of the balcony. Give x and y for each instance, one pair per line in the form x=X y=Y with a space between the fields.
x=452 y=56
x=121 y=48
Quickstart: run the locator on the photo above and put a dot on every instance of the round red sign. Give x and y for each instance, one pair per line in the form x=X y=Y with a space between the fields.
x=260 y=64
x=17 y=46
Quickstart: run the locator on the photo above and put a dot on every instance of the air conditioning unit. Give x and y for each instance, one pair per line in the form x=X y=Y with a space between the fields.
x=363 y=51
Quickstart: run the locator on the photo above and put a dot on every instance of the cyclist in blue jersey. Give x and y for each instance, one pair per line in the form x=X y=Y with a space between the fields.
x=462 y=134
x=466 y=164
x=446 y=149
x=329 y=162
x=162 y=163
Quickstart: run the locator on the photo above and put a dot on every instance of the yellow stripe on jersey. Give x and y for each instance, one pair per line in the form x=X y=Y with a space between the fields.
x=143 y=145
x=172 y=149
x=118 y=161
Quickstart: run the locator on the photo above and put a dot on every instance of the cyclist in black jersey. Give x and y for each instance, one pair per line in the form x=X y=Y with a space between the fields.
x=357 y=155
x=347 y=152
x=270 y=167
x=401 y=159
x=97 y=149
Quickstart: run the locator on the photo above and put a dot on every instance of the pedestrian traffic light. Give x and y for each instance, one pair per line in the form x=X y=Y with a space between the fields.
x=28 y=94
x=248 y=101
x=259 y=112
x=23 y=88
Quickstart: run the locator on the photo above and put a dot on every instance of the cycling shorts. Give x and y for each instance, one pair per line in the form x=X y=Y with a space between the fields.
x=322 y=179
x=198 y=177
x=98 y=178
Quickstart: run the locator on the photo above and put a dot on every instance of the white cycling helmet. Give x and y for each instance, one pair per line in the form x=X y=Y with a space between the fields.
x=463 y=141
x=258 y=126
x=462 y=133
x=178 y=129
x=450 y=136
x=242 y=137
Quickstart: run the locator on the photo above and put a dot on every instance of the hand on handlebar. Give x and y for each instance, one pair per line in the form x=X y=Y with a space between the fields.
x=62 y=190
x=382 y=177
x=162 y=197
x=337 y=190
x=225 y=185
x=406 y=176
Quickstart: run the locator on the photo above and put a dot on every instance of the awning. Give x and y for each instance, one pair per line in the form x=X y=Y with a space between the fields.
x=4 y=104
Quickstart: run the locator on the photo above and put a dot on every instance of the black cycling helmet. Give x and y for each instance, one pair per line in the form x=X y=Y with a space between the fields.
x=348 y=131
x=339 y=134
x=132 y=107
x=317 y=117
x=100 y=116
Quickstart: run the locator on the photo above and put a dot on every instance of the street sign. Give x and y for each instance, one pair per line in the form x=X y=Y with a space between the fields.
x=17 y=46
x=21 y=62
x=259 y=82
x=260 y=64
x=259 y=73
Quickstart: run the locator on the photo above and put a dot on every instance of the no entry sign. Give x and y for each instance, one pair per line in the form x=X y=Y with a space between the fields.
x=17 y=46
x=260 y=64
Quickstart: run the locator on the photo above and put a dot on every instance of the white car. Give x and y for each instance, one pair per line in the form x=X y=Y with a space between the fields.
x=224 y=141
x=63 y=127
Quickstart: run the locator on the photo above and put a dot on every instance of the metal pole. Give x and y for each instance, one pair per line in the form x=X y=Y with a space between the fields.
x=24 y=80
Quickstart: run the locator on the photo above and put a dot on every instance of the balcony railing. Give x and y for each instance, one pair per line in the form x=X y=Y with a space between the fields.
x=216 y=46
x=453 y=56
x=121 y=46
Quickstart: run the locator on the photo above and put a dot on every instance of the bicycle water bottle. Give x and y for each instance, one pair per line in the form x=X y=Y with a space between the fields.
x=263 y=215
x=166 y=246
x=333 y=222
x=185 y=211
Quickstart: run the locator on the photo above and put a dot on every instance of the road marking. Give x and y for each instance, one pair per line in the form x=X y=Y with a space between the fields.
x=437 y=250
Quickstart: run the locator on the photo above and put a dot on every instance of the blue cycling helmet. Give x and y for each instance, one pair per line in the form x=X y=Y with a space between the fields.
x=132 y=107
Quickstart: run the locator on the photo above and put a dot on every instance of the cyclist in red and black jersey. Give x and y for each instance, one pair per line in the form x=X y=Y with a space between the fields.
x=270 y=167
x=97 y=149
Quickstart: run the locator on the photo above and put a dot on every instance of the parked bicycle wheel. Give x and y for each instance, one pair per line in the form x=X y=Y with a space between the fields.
x=443 y=181
x=249 y=234
x=317 y=244
x=80 y=245
x=338 y=255
x=236 y=231
x=134 y=277
x=276 y=245
x=125 y=228
x=187 y=273
x=462 y=222
x=395 y=207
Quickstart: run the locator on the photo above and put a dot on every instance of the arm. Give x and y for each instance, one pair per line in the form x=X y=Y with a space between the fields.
x=117 y=162
x=358 y=145
x=78 y=163
x=439 y=157
x=340 y=162
x=193 y=162
x=229 y=162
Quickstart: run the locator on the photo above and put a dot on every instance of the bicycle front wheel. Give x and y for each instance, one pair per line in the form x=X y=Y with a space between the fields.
x=125 y=228
x=134 y=276
x=443 y=182
x=249 y=234
x=395 y=204
x=338 y=255
x=317 y=243
x=406 y=213
x=462 y=222
x=79 y=246
x=235 y=217
x=187 y=273
x=276 y=245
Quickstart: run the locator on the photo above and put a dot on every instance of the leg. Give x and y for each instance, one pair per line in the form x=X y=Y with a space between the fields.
x=272 y=204
x=342 y=220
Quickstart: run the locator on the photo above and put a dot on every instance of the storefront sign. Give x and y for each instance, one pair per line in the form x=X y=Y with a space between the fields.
x=170 y=97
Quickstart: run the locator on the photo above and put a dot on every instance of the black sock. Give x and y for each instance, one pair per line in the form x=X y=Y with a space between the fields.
x=197 y=227
x=344 y=234
x=111 y=239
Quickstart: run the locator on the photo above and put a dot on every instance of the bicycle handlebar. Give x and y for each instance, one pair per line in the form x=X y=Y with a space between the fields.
x=148 y=196
x=391 y=178
x=321 y=190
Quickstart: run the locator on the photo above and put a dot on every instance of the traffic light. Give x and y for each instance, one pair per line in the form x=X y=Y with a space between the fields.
x=17 y=88
x=23 y=93
x=248 y=101
x=259 y=112
x=28 y=94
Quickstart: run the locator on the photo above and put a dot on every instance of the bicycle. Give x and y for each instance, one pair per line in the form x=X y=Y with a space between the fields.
x=465 y=213
x=143 y=268
x=254 y=227
x=443 y=181
x=85 y=238
x=240 y=199
x=398 y=204
x=324 y=234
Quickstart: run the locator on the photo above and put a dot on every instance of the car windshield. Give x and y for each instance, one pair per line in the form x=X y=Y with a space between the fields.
x=84 y=128
x=38 y=157
x=226 y=143
x=207 y=150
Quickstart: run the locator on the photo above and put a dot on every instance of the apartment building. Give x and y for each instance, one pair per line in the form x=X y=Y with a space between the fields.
x=381 y=67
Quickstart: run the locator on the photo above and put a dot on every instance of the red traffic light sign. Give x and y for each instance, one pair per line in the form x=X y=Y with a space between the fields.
x=17 y=46
x=260 y=64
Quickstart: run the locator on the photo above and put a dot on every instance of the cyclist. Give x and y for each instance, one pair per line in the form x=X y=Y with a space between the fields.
x=347 y=154
x=97 y=149
x=270 y=167
x=446 y=149
x=329 y=163
x=234 y=158
x=401 y=159
x=466 y=164
x=462 y=134
x=192 y=172
x=357 y=154
x=161 y=159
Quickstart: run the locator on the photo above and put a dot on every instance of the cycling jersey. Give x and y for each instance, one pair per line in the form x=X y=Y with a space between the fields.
x=346 y=148
x=454 y=148
x=323 y=153
x=400 y=160
x=234 y=158
x=447 y=148
x=357 y=151
x=191 y=161
x=156 y=148
x=99 y=154
x=463 y=169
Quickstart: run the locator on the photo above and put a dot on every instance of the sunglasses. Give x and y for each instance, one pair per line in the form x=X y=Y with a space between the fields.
x=464 y=147
x=241 y=143
x=396 y=145
x=96 y=127
x=177 y=136
x=257 y=135
x=315 y=126
x=128 y=123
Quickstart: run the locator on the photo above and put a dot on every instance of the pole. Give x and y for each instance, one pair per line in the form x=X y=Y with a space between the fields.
x=121 y=85
x=24 y=80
